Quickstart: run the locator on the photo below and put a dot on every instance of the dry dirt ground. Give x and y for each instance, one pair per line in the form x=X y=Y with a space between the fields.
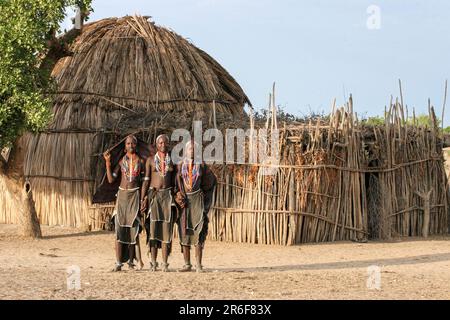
x=410 y=269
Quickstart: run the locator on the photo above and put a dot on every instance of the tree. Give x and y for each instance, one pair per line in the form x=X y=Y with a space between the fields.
x=282 y=115
x=424 y=120
x=421 y=120
x=27 y=37
x=29 y=48
x=374 y=121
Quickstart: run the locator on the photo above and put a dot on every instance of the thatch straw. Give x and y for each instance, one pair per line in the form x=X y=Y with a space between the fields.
x=125 y=74
x=138 y=64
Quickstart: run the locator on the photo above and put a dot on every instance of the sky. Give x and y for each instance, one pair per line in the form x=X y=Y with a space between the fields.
x=318 y=50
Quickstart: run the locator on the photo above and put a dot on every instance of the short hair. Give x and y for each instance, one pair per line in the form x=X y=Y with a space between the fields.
x=165 y=136
x=133 y=137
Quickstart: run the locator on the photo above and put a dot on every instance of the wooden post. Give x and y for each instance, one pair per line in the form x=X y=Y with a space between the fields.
x=443 y=104
x=292 y=207
x=214 y=121
x=426 y=212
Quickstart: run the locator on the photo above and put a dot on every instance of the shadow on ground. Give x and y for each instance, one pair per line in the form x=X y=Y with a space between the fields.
x=347 y=264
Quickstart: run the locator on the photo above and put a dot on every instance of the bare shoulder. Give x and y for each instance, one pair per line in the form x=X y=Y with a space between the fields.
x=149 y=163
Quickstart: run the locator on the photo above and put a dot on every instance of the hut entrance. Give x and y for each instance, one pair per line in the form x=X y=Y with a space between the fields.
x=374 y=203
x=373 y=188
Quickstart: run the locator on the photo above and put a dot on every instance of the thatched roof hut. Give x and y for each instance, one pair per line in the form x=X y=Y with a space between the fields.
x=133 y=62
x=125 y=75
x=337 y=179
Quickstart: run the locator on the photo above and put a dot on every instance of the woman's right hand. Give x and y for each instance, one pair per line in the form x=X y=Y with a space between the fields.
x=107 y=157
x=179 y=199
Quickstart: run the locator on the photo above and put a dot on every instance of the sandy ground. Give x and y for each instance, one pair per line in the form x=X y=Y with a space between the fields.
x=410 y=269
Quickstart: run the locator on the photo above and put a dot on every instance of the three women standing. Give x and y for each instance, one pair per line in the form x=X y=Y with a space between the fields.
x=169 y=193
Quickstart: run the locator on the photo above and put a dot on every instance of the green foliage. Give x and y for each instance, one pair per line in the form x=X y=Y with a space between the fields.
x=26 y=27
x=374 y=121
x=282 y=115
x=422 y=120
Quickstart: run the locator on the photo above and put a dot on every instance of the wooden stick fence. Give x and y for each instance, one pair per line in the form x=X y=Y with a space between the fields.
x=338 y=181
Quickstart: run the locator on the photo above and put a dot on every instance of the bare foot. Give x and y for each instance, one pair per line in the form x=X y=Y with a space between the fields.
x=199 y=268
x=153 y=266
x=186 y=268
x=117 y=268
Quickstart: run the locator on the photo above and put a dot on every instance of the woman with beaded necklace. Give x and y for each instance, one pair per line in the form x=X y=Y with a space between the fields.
x=127 y=211
x=195 y=185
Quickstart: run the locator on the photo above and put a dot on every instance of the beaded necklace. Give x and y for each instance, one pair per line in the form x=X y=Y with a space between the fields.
x=190 y=173
x=131 y=168
x=162 y=166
